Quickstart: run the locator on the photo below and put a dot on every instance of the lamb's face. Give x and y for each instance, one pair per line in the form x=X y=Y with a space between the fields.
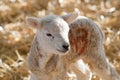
x=52 y=32
x=54 y=36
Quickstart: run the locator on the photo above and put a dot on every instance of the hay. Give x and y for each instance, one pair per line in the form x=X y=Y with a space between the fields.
x=16 y=37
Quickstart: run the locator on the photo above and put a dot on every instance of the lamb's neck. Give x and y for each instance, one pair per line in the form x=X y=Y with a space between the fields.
x=44 y=61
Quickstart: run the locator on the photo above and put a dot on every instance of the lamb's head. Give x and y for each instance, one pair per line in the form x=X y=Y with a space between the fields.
x=52 y=32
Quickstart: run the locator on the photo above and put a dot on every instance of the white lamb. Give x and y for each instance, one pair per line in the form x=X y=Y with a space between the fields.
x=53 y=57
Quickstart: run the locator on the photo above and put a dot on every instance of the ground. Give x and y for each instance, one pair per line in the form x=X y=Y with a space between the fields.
x=16 y=36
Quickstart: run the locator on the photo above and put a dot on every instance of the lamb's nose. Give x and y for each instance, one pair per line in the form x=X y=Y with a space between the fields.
x=66 y=46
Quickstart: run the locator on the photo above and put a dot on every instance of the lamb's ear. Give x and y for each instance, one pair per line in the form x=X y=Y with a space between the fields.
x=70 y=17
x=34 y=22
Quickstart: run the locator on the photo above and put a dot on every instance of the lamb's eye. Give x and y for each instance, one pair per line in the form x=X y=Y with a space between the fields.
x=48 y=34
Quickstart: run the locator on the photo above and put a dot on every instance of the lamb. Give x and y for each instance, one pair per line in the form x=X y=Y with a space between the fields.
x=62 y=43
x=45 y=60
x=86 y=40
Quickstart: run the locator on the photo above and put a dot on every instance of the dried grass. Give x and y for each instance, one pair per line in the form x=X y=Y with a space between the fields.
x=16 y=37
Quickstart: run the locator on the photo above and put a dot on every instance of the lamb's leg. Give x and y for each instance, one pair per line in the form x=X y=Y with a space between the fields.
x=82 y=70
x=101 y=67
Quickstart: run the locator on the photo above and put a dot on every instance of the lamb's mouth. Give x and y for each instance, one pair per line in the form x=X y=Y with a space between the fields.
x=63 y=51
